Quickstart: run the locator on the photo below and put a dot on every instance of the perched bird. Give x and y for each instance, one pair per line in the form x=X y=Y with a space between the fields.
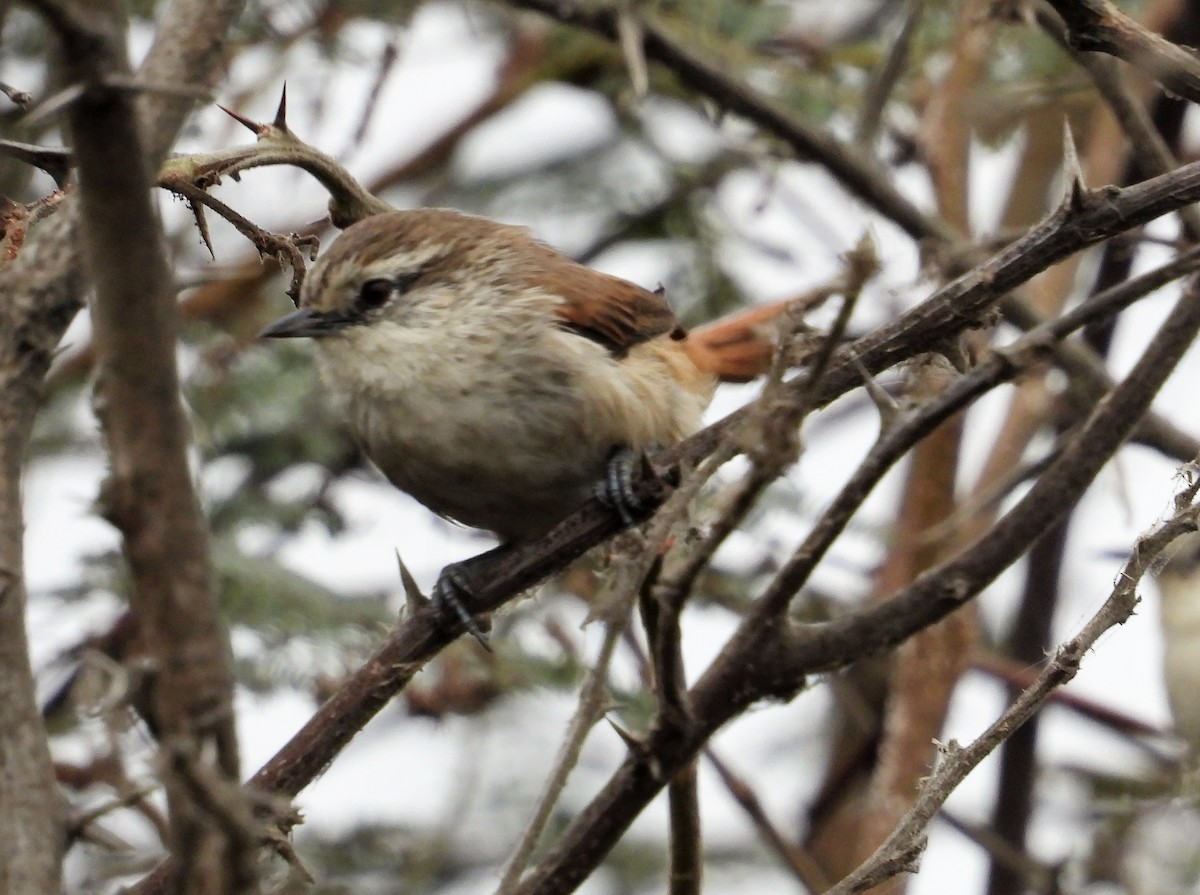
x=498 y=381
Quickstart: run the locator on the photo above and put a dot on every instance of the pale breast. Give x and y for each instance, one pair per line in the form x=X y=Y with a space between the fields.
x=505 y=435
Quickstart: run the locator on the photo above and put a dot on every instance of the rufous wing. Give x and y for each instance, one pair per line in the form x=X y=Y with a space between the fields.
x=620 y=315
x=606 y=309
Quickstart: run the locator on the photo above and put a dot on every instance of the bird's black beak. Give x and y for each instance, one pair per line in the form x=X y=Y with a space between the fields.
x=306 y=323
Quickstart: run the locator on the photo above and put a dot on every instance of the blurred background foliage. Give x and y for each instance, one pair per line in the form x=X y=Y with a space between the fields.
x=670 y=187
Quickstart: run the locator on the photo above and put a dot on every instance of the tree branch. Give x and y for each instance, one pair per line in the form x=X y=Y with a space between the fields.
x=898 y=851
x=1100 y=26
x=149 y=493
x=856 y=171
x=767 y=659
x=1084 y=219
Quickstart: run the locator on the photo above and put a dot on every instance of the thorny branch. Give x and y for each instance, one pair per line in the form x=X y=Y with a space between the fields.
x=900 y=850
x=1084 y=219
x=285 y=249
x=767 y=658
x=857 y=172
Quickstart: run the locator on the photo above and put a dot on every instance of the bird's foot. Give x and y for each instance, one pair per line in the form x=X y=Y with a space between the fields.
x=617 y=488
x=450 y=597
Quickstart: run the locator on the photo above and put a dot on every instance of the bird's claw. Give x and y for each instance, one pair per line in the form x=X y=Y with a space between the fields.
x=617 y=490
x=450 y=596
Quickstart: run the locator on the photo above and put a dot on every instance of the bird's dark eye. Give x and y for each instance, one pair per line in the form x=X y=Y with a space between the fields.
x=374 y=294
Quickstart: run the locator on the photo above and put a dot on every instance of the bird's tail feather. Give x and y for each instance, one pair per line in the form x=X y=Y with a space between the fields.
x=740 y=347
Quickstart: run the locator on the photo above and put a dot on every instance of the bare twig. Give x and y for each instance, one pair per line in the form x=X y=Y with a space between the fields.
x=884 y=79
x=898 y=852
x=284 y=249
x=592 y=704
x=387 y=61
x=15 y=95
x=686 y=864
x=17 y=219
x=797 y=860
x=844 y=160
x=1150 y=149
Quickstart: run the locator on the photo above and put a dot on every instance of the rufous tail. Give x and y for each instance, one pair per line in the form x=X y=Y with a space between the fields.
x=739 y=347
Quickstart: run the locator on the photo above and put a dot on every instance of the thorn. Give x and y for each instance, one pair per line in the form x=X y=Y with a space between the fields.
x=884 y=403
x=414 y=600
x=635 y=745
x=1074 y=189
x=202 y=226
x=253 y=126
x=281 y=113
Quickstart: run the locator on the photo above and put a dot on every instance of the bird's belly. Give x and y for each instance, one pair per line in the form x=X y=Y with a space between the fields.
x=514 y=467
x=512 y=439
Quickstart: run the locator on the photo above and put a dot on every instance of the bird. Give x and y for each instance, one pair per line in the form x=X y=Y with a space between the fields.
x=498 y=381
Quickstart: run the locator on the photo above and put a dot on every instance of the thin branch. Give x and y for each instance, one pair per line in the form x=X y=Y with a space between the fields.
x=899 y=850
x=15 y=95
x=664 y=636
x=1032 y=875
x=284 y=249
x=798 y=861
x=383 y=69
x=592 y=704
x=1087 y=370
x=885 y=78
x=845 y=161
x=1135 y=731
x=685 y=843
x=1150 y=150
x=55 y=161
x=1100 y=26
